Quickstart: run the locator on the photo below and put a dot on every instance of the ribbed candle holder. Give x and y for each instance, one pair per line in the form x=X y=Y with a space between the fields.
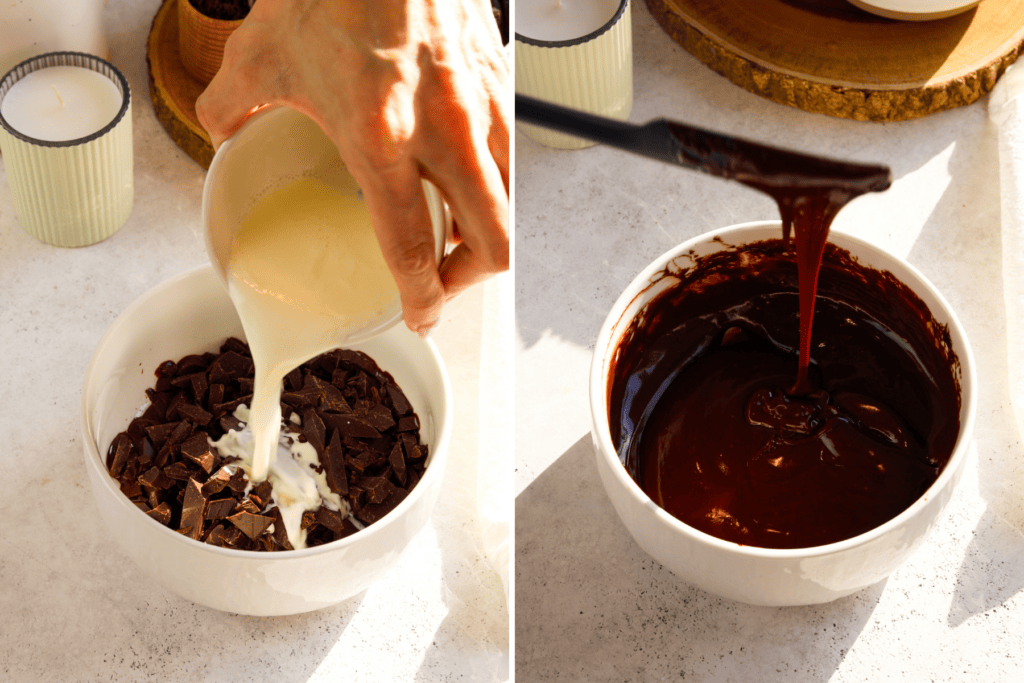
x=592 y=73
x=72 y=192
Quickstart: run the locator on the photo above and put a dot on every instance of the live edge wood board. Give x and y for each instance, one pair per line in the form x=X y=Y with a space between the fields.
x=828 y=57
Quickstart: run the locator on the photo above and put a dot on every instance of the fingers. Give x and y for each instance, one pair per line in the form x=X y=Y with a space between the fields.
x=471 y=168
x=401 y=220
x=243 y=84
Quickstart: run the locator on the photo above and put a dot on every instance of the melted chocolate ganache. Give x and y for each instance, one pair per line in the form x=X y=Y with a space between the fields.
x=729 y=418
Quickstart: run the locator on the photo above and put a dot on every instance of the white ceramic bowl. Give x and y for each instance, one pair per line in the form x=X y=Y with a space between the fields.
x=915 y=10
x=274 y=146
x=764 y=576
x=192 y=313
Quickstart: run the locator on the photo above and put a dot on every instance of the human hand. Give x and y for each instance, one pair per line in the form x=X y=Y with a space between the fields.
x=406 y=89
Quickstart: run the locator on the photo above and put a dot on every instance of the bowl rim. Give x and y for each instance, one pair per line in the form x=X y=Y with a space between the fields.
x=739 y=234
x=94 y=460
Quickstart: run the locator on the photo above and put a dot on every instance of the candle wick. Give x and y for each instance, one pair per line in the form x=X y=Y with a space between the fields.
x=59 y=98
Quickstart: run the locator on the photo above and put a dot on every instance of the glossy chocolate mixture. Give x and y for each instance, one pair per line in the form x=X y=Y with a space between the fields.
x=729 y=419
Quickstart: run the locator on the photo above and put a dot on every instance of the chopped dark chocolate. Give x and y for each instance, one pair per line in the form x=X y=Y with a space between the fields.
x=193 y=510
x=261 y=493
x=399 y=400
x=161 y=513
x=221 y=508
x=250 y=524
x=155 y=478
x=349 y=425
x=123 y=445
x=231 y=423
x=194 y=414
x=360 y=423
x=313 y=429
x=377 y=488
x=195 y=381
x=333 y=462
x=217 y=482
x=397 y=460
x=197 y=449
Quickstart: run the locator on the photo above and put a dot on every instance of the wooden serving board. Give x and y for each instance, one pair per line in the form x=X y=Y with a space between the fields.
x=173 y=90
x=828 y=57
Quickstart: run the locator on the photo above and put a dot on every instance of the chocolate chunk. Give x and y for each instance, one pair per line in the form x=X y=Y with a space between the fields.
x=214 y=396
x=350 y=425
x=130 y=488
x=377 y=489
x=221 y=508
x=260 y=494
x=231 y=406
x=230 y=423
x=215 y=536
x=347 y=529
x=154 y=478
x=297 y=399
x=332 y=519
x=228 y=366
x=178 y=471
x=191 y=363
x=251 y=525
x=293 y=380
x=279 y=532
x=313 y=429
x=397 y=460
x=192 y=510
x=217 y=482
x=409 y=423
x=372 y=512
x=376 y=415
x=197 y=449
x=232 y=536
x=194 y=414
x=158 y=433
x=399 y=400
x=235 y=344
x=122 y=450
x=161 y=513
x=308 y=519
x=195 y=381
x=167 y=369
x=171 y=413
x=238 y=482
x=333 y=461
x=247 y=506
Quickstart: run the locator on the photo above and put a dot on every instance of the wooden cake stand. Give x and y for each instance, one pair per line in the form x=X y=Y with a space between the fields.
x=828 y=57
x=173 y=90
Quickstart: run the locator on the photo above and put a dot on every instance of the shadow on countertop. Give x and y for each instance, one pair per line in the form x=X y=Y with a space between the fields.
x=592 y=606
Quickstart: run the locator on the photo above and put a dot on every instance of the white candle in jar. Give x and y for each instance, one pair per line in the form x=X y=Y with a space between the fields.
x=60 y=103
x=555 y=20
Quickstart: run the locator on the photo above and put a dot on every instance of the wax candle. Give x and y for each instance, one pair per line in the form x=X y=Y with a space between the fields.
x=61 y=103
x=577 y=53
x=66 y=139
x=555 y=20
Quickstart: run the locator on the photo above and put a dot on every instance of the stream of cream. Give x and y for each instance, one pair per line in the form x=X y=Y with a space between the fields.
x=305 y=268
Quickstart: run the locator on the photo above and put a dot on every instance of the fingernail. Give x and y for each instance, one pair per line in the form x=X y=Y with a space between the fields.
x=426 y=330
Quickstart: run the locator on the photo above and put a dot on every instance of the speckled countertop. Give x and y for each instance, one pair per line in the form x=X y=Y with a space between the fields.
x=590 y=604
x=73 y=606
